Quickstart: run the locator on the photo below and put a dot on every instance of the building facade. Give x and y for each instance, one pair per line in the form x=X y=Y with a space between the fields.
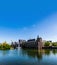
x=33 y=43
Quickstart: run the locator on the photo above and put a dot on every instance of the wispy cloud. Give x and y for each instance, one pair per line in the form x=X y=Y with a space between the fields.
x=47 y=29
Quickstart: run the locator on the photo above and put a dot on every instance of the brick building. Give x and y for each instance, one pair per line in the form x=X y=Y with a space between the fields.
x=33 y=43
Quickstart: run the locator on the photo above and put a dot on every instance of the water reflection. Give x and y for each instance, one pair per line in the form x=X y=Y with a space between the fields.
x=5 y=52
x=32 y=53
x=38 y=53
x=47 y=51
x=54 y=51
x=28 y=57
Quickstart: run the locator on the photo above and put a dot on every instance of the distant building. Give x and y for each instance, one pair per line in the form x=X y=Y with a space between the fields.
x=31 y=40
x=39 y=42
x=21 y=41
x=14 y=44
x=32 y=43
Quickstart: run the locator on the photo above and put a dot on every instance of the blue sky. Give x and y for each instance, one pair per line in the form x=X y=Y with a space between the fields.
x=25 y=19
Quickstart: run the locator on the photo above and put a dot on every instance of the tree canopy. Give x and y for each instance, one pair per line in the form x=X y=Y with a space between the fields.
x=4 y=46
x=47 y=43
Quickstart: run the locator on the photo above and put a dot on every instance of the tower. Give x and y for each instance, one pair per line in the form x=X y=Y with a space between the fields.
x=39 y=42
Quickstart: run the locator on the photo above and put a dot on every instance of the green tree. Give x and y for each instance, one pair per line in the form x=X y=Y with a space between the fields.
x=4 y=46
x=47 y=43
x=54 y=44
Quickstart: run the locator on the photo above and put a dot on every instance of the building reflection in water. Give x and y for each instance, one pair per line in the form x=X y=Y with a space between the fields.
x=38 y=53
x=32 y=53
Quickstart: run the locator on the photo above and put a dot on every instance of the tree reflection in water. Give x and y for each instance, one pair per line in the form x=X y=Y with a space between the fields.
x=38 y=53
x=54 y=51
x=32 y=53
x=47 y=51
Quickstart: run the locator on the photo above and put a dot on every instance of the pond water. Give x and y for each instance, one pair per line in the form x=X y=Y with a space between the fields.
x=28 y=57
